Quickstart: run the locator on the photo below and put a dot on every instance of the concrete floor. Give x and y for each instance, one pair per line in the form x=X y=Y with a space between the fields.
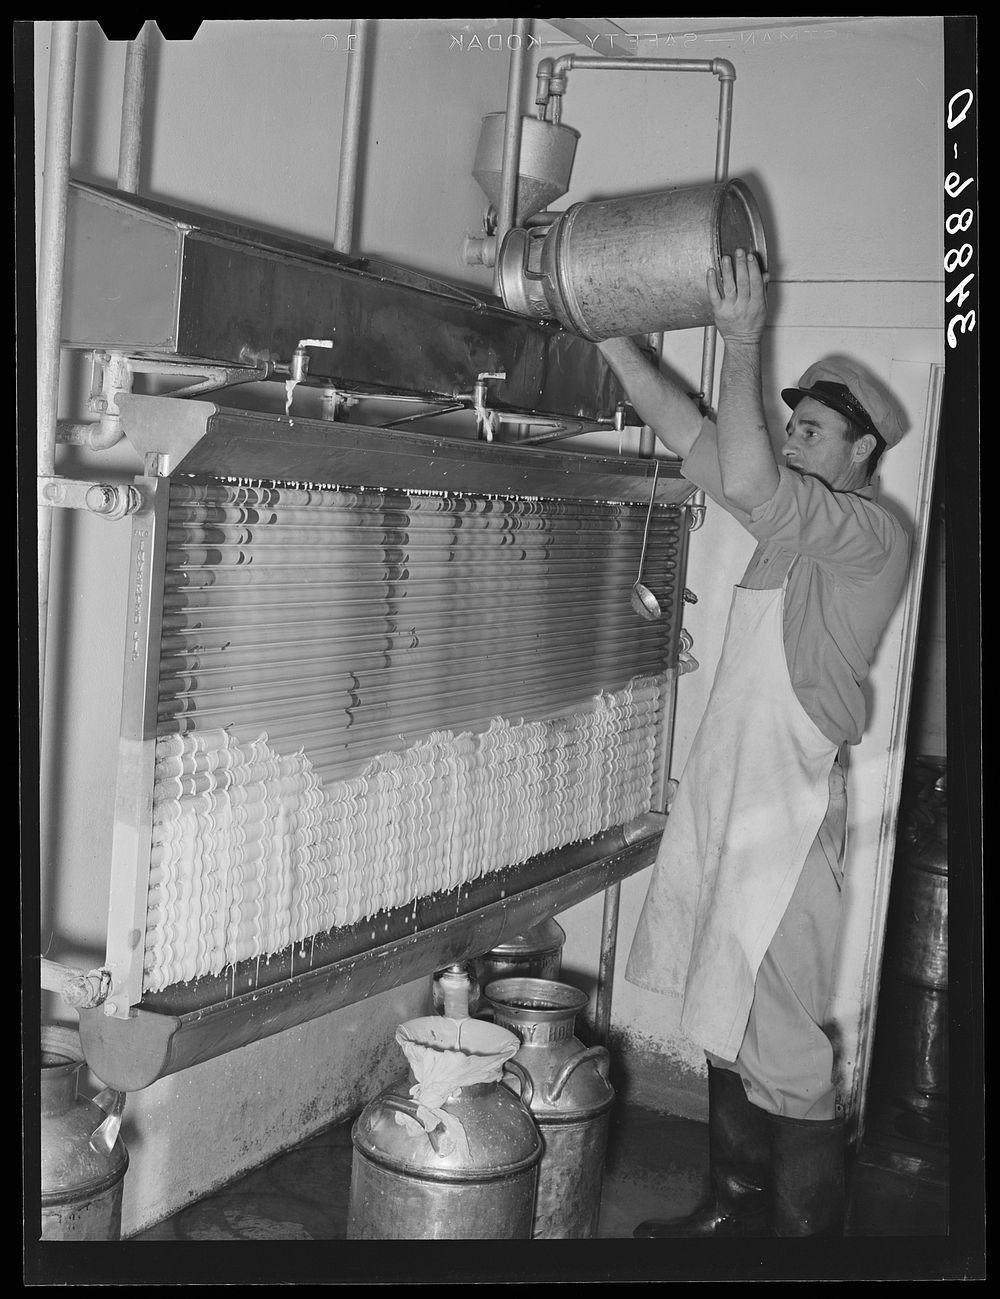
x=656 y=1167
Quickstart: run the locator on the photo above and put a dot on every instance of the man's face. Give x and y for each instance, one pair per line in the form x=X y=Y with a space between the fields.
x=817 y=446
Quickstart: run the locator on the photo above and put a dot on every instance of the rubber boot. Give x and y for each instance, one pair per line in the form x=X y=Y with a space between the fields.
x=808 y=1170
x=738 y=1168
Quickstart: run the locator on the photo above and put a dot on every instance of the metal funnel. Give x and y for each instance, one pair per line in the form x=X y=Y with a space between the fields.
x=547 y=153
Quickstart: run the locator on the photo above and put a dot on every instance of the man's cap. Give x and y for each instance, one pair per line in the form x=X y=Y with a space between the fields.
x=845 y=389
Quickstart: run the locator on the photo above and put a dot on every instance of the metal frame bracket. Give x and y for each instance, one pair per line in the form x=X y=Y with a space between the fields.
x=108 y=500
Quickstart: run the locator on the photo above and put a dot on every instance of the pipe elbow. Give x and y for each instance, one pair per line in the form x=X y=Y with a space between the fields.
x=724 y=70
x=107 y=432
x=562 y=65
x=96 y=436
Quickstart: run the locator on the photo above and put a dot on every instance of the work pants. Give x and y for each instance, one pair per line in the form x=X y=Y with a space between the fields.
x=786 y=1059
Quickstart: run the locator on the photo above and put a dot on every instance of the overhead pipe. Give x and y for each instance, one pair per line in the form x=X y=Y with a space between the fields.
x=51 y=263
x=350 y=149
x=511 y=139
x=552 y=83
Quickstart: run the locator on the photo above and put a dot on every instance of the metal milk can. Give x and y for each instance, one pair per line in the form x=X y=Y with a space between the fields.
x=83 y=1159
x=630 y=265
x=911 y=1039
x=534 y=954
x=448 y=1152
x=571 y=1099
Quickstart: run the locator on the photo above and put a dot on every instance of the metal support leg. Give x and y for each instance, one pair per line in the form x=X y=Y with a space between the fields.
x=606 y=974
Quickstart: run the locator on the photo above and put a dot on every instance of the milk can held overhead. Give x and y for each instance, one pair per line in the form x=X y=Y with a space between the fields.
x=630 y=265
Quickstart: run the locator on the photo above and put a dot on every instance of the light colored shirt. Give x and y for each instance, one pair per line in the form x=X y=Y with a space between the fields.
x=850 y=572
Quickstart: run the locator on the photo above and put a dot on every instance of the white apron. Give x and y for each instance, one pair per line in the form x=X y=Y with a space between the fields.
x=750 y=801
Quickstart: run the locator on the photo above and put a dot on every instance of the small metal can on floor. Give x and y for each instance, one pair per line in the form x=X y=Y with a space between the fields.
x=83 y=1159
x=448 y=1153
x=571 y=1100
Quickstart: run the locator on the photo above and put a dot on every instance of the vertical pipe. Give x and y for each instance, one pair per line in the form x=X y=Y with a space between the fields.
x=725 y=125
x=647 y=438
x=609 y=932
x=51 y=259
x=606 y=974
x=350 y=148
x=726 y=76
x=511 y=141
x=133 y=95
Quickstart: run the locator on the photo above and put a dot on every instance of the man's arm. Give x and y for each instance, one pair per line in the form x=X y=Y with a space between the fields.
x=660 y=403
x=746 y=457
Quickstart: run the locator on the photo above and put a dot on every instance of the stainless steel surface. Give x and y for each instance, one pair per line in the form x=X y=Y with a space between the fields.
x=52 y=292
x=205 y=1019
x=571 y=1100
x=81 y=1184
x=147 y=277
x=547 y=154
x=638 y=264
x=644 y=602
x=201 y=438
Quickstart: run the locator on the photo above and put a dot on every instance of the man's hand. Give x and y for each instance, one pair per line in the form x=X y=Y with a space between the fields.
x=740 y=306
